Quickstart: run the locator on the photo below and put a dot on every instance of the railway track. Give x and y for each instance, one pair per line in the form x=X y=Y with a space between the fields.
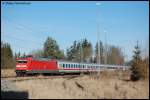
x=24 y=78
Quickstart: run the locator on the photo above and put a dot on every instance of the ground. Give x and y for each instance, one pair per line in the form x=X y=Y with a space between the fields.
x=81 y=87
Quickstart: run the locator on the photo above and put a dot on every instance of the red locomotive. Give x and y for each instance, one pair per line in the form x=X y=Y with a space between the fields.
x=31 y=65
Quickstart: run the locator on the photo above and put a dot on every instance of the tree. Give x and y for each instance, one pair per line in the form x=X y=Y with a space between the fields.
x=139 y=67
x=37 y=53
x=87 y=51
x=115 y=56
x=74 y=52
x=71 y=51
x=15 y=55
x=51 y=49
x=60 y=54
x=7 y=60
x=19 y=55
x=80 y=51
x=24 y=55
x=135 y=64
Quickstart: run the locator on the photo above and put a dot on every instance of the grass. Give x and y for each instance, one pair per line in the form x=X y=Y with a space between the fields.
x=108 y=86
x=8 y=72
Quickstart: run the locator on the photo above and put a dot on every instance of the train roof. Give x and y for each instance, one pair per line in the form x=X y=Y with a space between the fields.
x=95 y=64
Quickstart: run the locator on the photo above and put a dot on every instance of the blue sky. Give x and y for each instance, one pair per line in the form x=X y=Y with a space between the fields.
x=26 y=26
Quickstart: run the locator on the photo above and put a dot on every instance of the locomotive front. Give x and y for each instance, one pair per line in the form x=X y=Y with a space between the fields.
x=21 y=66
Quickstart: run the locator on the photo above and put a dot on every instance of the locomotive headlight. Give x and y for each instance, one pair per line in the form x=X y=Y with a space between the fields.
x=21 y=66
x=24 y=66
x=17 y=65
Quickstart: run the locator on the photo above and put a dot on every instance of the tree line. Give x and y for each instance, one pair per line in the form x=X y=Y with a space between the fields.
x=7 y=60
x=80 y=51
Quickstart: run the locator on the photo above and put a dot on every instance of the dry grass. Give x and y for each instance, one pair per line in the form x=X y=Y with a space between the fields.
x=112 y=74
x=85 y=87
x=110 y=85
x=8 y=72
x=80 y=89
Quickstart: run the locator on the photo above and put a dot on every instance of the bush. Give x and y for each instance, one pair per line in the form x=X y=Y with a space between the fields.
x=139 y=70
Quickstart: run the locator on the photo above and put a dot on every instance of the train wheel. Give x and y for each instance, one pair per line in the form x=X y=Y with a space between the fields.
x=23 y=74
x=18 y=74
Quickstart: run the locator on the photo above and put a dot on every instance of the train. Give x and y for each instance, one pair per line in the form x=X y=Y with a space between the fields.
x=33 y=65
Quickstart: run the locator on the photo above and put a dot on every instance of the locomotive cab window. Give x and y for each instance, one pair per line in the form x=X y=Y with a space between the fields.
x=22 y=61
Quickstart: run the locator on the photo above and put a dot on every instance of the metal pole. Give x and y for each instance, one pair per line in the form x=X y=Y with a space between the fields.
x=81 y=51
x=98 y=40
x=105 y=47
x=123 y=56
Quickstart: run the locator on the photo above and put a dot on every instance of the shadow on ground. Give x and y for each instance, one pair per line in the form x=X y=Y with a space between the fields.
x=14 y=95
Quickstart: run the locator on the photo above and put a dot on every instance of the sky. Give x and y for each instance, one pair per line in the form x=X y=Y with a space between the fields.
x=26 y=26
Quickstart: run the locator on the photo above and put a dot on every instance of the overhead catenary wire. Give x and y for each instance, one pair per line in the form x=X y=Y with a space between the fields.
x=20 y=47
x=26 y=40
x=27 y=28
x=24 y=46
x=20 y=27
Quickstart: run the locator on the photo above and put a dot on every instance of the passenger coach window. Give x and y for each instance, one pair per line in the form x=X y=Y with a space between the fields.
x=63 y=65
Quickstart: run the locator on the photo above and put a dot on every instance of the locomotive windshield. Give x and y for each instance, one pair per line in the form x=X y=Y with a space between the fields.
x=22 y=61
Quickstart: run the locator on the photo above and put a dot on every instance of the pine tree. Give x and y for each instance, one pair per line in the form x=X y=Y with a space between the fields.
x=135 y=64
x=19 y=55
x=51 y=49
x=80 y=51
x=24 y=55
x=87 y=50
